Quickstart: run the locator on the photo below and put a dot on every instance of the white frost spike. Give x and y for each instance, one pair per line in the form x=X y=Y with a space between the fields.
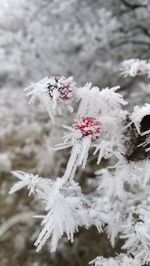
x=79 y=155
x=33 y=182
x=39 y=90
x=120 y=260
x=64 y=215
x=89 y=105
x=95 y=101
x=84 y=151
x=73 y=162
x=110 y=102
x=50 y=91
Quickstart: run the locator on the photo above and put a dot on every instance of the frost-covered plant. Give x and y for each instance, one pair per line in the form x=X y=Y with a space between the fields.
x=121 y=260
x=134 y=67
x=119 y=205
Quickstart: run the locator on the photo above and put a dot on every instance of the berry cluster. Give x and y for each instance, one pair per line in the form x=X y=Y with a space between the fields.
x=89 y=126
x=62 y=86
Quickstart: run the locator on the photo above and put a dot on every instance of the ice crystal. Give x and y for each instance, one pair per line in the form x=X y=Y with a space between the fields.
x=120 y=260
x=64 y=215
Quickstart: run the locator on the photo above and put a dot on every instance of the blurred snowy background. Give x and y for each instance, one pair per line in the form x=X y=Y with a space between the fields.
x=87 y=39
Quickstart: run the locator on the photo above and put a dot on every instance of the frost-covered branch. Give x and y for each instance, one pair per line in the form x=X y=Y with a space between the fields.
x=119 y=205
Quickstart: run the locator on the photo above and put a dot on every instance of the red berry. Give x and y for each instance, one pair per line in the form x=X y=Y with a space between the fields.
x=89 y=126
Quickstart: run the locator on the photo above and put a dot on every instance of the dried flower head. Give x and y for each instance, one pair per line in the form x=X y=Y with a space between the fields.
x=89 y=126
x=61 y=86
x=51 y=91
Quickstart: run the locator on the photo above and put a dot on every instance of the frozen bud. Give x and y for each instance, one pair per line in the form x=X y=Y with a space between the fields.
x=61 y=87
x=89 y=126
x=135 y=67
x=51 y=91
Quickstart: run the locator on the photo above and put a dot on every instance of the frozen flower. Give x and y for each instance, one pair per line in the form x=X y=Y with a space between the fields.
x=60 y=86
x=134 y=67
x=89 y=126
x=85 y=131
x=51 y=91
